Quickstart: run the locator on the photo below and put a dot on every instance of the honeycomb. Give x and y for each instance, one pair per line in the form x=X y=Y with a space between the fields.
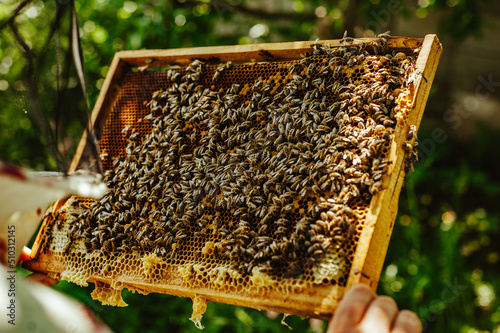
x=239 y=178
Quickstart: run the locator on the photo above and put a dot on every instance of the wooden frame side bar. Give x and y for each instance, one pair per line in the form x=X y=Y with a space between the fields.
x=107 y=96
x=374 y=241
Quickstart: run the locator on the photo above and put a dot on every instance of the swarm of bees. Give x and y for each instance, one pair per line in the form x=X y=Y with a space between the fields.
x=267 y=166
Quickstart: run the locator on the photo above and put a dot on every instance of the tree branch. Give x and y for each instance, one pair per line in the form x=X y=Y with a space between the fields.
x=351 y=17
x=222 y=7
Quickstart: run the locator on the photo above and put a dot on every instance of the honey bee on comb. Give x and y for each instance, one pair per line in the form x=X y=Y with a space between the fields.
x=240 y=178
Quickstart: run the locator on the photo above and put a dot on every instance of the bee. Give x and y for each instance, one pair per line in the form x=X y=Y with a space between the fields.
x=346 y=39
x=351 y=231
x=313 y=248
x=316 y=45
x=384 y=37
x=310 y=69
x=412 y=79
x=235 y=88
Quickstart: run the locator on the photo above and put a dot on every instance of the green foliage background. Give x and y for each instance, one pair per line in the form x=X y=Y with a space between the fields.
x=443 y=259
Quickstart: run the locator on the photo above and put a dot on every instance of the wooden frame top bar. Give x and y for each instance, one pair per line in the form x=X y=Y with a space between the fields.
x=245 y=53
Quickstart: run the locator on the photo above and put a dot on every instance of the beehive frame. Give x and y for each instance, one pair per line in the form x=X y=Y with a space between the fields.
x=373 y=242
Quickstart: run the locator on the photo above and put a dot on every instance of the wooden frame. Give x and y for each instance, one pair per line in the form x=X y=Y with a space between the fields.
x=372 y=246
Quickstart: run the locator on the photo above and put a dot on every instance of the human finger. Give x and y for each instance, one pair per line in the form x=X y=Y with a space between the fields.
x=380 y=314
x=351 y=309
x=407 y=322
